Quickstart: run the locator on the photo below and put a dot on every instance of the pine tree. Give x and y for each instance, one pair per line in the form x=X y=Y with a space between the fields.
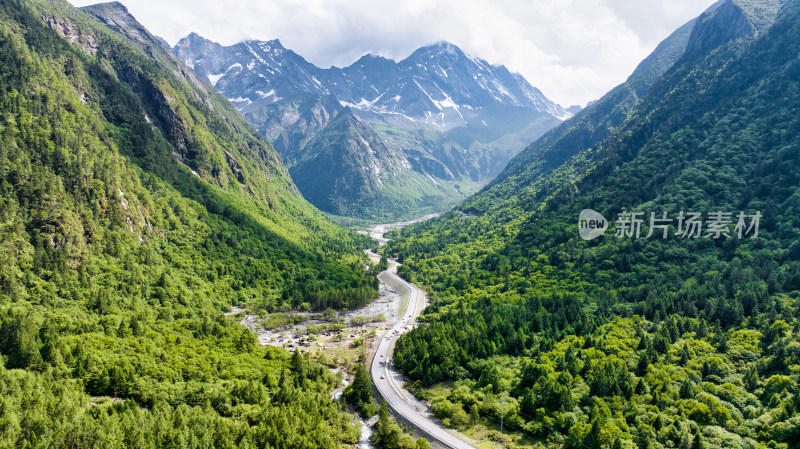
x=359 y=392
x=697 y=439
x=723 y=344
x=284 y=394
x=642 y=342
x=299 y=367
x=751 y=379
x=642 y=364
x=706 y=370
x=686 y=391
x=702 y=330
x=685 y=355
x=641 y=388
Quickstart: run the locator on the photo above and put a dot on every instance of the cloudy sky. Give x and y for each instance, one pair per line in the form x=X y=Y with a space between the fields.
x=573 y=50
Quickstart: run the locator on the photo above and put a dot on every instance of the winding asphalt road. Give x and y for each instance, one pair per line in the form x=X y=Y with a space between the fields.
x=395 y=395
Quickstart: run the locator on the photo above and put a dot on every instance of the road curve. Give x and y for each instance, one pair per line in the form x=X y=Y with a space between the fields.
x=394 y=394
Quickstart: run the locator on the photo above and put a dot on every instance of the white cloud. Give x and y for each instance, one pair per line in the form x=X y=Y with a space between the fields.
x=573 y=50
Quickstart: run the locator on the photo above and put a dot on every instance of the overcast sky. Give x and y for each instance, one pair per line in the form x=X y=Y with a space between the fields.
x=573 y=50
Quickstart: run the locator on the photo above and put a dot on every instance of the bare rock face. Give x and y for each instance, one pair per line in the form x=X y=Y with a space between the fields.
x=731 y=20
x=72 y=33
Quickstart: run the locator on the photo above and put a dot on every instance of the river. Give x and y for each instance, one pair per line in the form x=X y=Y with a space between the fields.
x=377 y=231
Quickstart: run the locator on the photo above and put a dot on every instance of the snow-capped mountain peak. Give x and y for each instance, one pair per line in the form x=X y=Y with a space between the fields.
x=438 y=85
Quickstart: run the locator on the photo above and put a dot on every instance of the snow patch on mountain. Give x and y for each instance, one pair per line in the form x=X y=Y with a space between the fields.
x=241 y=100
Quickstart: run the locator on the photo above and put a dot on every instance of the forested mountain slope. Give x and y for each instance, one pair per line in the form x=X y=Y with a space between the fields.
x=136 y=207
x=344 y=165
x=586 y=129
x=637 y=342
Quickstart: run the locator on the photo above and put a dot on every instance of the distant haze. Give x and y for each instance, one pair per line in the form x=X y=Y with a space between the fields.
x=573 y=50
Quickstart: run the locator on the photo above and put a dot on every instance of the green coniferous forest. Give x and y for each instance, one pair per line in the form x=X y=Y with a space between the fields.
x=624 y=342
x=136 y=208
